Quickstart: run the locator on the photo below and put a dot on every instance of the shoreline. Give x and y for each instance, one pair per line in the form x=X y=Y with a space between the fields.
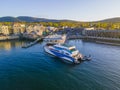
x=101 y=40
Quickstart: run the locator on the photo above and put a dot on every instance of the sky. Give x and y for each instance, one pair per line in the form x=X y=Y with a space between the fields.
x=80 y=10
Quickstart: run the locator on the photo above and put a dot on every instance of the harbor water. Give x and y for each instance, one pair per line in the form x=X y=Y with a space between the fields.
x=33 y=69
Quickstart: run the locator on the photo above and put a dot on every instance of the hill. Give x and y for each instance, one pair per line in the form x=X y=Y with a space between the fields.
x=114 y=20
x=29 y=19
x=35 y=19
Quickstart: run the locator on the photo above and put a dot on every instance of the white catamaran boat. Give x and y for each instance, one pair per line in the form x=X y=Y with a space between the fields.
x=67 y=54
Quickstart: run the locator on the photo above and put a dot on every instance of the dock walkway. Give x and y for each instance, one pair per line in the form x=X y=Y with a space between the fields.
x=32 y=43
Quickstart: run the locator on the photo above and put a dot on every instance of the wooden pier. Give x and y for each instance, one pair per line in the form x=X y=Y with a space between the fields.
x=32 y=43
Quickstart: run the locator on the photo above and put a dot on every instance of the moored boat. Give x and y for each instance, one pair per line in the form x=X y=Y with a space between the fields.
x=67 y=54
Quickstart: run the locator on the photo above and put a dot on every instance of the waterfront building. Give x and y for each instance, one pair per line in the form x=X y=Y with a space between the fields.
x=52 y=29
x=38 y=29
x=29 y=29
x=102 y=33
x=18 y=28
x=91 y=28
x=34 y=31
x=73 y=31
x=4 y=30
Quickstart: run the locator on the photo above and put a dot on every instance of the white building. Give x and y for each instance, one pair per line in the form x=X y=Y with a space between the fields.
x=29 y=29
x=92 y=28
x=52 y=28
x=37 y=29
x=4 y=30
x=18 y=28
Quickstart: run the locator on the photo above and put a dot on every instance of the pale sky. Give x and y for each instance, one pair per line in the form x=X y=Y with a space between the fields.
x=80 y=10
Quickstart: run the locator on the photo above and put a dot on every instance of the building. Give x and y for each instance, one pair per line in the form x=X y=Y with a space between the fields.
x=52 y=28
x=4 y=30
x=18 y=28
x=91 y=28
x=37 y=29
x=29 y=29
x=102 y=33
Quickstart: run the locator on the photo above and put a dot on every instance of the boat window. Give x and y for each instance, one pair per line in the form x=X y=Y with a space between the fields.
x=72 y=50
x=56 y=50
x=66 y=53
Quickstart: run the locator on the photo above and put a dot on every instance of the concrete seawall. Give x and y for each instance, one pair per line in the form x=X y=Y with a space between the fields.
x=2 y=38
x=103 y=40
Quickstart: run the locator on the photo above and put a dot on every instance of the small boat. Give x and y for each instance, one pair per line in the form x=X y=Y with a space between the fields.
x=66 y=53
x=87 y=58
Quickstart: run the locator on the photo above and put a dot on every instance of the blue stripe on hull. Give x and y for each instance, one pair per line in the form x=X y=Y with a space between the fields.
x=66 y=61
x=62 y=55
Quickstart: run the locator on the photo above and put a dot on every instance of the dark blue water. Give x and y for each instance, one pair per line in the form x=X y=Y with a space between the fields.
x=33 y=69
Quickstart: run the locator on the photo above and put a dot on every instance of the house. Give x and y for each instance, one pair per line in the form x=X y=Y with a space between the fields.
x=38 y=29
x=18 y=28
x=91 y=28
x=52 y=28
x=4 y=30
x=29 y=29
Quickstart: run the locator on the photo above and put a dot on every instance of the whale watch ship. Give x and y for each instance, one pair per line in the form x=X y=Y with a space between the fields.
x=56 y=47
x=67 y=54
